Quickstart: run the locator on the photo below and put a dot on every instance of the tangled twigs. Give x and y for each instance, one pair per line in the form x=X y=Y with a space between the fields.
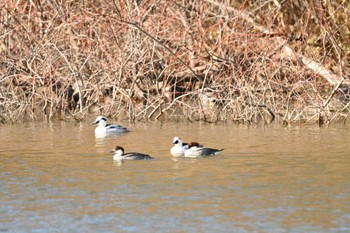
x=245 y=61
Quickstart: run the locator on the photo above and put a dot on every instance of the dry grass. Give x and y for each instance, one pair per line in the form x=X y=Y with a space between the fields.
x=248 y=61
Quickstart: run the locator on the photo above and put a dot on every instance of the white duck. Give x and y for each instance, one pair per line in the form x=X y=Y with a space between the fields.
x=103 y=128
x=180 y=147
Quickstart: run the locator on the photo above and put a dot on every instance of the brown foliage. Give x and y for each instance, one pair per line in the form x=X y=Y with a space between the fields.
x=191 y=59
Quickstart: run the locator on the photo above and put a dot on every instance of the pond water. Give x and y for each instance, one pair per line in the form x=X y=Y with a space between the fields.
x=57 y=177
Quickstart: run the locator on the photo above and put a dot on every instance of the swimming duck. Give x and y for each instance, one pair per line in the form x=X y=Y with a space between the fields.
x=120 y=155
x=180 y=147
x=194 y=151
x=104 y=128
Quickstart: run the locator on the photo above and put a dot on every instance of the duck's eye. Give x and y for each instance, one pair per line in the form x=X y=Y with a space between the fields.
x=176 y=142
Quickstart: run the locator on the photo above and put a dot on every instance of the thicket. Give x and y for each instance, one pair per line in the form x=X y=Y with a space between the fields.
x=239 y=60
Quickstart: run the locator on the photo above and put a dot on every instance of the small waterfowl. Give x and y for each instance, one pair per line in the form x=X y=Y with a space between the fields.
x=120 y=155
x=180 y=147
x=104 y=128
x=194 y=151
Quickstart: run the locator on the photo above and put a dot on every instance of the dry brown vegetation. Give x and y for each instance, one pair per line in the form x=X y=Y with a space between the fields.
x=243 y=61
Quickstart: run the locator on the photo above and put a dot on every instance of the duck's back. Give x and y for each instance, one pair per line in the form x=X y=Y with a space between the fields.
x=209 y=151
x=116 y=128
x=136 y=156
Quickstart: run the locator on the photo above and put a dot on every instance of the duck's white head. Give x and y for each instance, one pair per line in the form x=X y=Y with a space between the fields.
x=177 y=141
x=100 y=121
x=118 y=153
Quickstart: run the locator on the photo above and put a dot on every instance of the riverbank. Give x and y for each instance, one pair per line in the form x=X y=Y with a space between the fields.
x=244 y=62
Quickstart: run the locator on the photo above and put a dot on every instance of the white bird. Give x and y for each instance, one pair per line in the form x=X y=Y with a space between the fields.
x=103 y=128
x=180 y=147
x=194 y=151
x=120 y=155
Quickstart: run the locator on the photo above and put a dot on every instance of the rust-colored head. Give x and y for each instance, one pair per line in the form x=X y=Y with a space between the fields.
x=119 y=148
x=194 y=144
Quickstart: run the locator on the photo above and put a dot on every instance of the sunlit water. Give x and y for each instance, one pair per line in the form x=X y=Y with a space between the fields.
x=57 y=177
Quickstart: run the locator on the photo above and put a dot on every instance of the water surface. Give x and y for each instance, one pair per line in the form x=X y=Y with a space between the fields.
x=57 y=177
